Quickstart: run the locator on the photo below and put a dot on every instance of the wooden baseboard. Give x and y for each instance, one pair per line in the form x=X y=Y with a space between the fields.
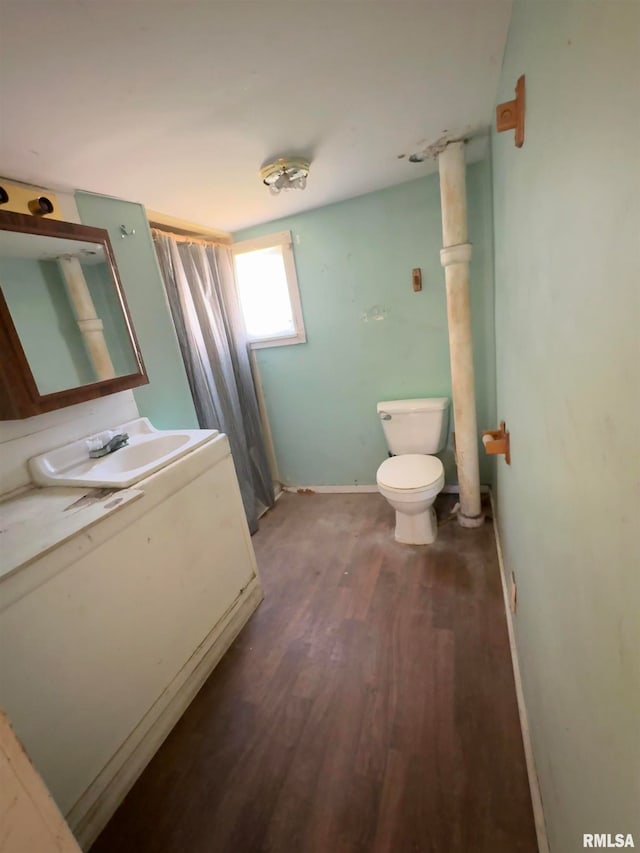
x=91 y=813
x=534 y=785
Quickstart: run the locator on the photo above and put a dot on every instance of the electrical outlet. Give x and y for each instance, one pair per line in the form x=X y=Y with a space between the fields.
x=513 y=594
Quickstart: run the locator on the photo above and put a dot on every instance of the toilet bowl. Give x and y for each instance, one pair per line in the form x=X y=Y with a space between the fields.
x=410 y=483
x=411 y=478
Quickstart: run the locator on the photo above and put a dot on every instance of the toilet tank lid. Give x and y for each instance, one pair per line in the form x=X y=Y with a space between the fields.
x=416 y=404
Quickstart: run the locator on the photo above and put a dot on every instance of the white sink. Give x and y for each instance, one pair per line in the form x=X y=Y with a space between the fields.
x=148 y=450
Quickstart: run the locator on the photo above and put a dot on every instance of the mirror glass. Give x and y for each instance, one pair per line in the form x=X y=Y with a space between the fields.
x=66 y=309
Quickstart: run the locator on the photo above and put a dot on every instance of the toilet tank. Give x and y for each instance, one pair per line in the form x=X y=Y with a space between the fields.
x=415 y=426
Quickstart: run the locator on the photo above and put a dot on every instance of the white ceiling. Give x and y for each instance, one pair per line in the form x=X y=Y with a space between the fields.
x=177 y=104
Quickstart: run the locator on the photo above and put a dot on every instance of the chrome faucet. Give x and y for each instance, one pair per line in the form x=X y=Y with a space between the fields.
x=109 y=444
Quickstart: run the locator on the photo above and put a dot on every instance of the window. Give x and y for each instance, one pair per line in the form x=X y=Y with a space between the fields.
x=268 y=291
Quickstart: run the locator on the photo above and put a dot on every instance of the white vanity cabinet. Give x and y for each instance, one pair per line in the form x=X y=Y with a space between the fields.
x=106 y=638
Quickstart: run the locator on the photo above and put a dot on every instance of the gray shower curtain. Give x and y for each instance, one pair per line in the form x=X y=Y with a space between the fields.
x=198 y=280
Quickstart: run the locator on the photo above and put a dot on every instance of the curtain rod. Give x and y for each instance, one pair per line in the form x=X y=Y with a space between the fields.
x=157 y=228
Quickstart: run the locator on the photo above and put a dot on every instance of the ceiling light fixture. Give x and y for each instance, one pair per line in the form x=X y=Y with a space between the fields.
x=285 y=173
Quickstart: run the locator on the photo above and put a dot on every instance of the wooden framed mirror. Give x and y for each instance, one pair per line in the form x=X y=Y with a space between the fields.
x=66 y=335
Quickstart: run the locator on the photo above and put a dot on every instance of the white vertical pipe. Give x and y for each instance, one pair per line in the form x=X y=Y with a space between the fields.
x=455 y=257
x=88 y=322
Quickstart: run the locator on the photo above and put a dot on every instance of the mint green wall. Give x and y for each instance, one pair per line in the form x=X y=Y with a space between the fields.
x=37 y=300
x=370 y=337
x=567 y=227
x=166 y=401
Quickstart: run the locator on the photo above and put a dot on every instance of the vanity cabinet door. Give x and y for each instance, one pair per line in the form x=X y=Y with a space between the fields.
x=136 y=610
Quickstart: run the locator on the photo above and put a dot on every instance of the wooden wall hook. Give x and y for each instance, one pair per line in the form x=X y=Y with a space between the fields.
x=510 y=114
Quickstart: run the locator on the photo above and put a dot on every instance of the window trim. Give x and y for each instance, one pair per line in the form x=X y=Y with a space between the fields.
x=269 y=241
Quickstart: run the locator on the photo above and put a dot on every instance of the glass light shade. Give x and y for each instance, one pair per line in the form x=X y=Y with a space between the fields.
x=285 y=174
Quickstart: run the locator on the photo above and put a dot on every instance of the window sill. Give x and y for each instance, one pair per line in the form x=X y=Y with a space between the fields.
x=279 y=342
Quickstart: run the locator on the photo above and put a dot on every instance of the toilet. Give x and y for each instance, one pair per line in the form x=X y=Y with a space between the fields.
x=412 y=478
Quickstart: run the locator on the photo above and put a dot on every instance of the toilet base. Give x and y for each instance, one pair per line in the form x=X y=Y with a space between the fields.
x=419 y=529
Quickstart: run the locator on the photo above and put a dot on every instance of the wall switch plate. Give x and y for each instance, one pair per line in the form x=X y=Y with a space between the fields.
x=416 y=279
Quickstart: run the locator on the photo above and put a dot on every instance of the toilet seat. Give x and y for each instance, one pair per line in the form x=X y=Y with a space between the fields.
x=411 y=472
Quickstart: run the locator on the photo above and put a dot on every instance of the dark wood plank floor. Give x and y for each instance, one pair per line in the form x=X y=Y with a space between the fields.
x=368 y=706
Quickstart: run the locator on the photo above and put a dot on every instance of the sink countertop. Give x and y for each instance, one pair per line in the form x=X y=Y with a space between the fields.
x=36 y=520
